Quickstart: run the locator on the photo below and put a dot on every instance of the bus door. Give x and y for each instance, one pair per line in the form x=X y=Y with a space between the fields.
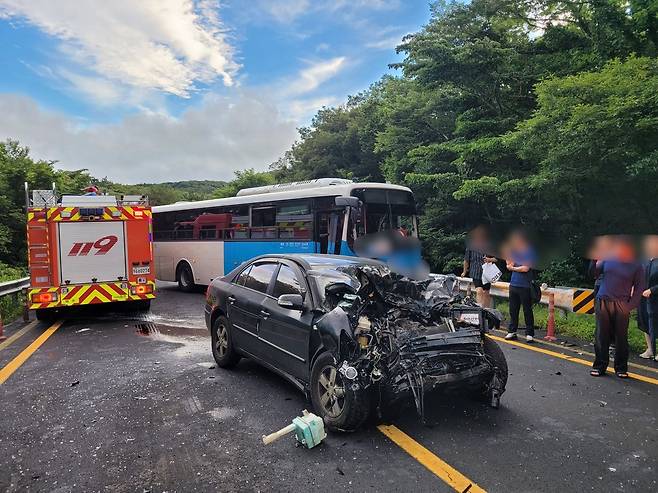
x=330 y=229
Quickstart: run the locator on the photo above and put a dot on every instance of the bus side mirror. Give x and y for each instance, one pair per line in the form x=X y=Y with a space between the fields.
x=352 y=202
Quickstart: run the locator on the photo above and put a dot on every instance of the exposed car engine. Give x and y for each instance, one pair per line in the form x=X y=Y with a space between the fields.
x=399 y=337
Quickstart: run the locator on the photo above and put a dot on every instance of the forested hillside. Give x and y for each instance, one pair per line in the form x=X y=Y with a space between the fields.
x=542 y=113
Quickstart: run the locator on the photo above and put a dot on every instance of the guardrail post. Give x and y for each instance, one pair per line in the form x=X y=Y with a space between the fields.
x=26 y=306
x=2 y=330
x=550 y=323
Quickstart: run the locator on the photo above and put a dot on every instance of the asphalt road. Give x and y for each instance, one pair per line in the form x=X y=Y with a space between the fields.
x=129 y=402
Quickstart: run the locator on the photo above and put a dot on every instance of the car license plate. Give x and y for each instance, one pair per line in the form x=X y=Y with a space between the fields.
x=144 y=269
x=470 y=318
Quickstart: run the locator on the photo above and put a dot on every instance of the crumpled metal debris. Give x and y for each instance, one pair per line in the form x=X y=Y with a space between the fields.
x=406 y=337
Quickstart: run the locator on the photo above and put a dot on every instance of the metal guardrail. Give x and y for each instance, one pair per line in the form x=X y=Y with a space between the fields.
x=564 y=297
x=11 y=287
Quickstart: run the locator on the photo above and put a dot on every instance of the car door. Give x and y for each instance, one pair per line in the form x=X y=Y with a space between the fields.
x=245 y=304
x=287 y=331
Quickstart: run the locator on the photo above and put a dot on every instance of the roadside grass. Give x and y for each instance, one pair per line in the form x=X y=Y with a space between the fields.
x=11 y=306
x=580 y=326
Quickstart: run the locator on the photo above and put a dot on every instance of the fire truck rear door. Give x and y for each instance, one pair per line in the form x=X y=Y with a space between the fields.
x=92 y=250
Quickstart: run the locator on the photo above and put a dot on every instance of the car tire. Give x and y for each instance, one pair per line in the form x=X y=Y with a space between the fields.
x=493 y=351
x=185 y=278
x=341 y=408
x=222 y=343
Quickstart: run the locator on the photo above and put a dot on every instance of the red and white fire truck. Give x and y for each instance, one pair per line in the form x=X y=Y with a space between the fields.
x=87 y=249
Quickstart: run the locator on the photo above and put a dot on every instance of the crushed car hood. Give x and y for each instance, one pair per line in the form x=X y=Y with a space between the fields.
x=404 y=336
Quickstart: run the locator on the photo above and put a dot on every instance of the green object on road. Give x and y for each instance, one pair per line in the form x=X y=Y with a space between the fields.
x=308 y=428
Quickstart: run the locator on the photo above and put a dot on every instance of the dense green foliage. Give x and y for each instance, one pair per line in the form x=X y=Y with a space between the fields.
x=541 y=113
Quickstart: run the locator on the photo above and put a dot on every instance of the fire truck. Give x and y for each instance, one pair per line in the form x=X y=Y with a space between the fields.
x=88 y=249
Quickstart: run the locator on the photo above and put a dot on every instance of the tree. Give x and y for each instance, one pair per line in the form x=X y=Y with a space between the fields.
x=244 y=179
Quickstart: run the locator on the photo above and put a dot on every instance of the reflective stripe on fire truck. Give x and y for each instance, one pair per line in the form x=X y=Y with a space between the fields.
x=89 y=294
x=111 y=213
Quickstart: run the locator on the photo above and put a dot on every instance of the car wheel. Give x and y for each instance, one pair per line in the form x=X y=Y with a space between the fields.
x=493 y=351
x=185 y=278
x=222 y=343
x=342 y=408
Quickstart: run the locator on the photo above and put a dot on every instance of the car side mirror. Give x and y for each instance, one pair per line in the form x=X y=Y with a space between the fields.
x=291 y=301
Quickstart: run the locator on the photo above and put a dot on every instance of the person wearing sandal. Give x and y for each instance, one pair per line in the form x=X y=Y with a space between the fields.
x=648 y=312
x=620 y=290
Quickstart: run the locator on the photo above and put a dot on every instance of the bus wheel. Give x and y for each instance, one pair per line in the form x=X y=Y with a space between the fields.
x=185 y=278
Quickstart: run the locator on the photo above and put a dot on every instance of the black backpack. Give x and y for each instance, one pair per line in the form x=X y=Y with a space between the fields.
x=535 y=288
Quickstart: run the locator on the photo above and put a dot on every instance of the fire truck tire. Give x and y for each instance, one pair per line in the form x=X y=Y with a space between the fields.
x=44 y=314
x=185 y=277
x=142 y=305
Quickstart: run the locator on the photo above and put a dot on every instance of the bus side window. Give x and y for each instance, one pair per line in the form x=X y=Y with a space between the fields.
x=294 y=221
x=263 y=222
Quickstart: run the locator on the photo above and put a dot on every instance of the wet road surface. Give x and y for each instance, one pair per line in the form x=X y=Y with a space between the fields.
x=134 y=402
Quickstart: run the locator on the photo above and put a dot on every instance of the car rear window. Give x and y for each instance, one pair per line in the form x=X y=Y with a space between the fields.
x=260 y=276
x=286 y=282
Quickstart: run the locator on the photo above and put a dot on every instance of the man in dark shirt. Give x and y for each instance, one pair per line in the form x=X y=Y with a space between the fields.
x=475 y=257
x=619 y=293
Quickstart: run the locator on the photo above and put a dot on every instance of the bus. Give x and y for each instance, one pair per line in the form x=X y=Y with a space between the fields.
x=195 y=242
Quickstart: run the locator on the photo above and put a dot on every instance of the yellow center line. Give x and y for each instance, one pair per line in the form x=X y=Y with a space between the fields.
x=573 y=359
x=16 y=363
x=451 y=476
x=574 y=349
x=18 y=335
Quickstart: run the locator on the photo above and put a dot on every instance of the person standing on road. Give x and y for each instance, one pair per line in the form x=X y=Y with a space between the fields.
x=477 y=247
x=648 y=311
x=521 y=258
x=619 y=293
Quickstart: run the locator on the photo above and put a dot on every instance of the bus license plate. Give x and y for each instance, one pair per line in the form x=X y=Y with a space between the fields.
x=144 y=269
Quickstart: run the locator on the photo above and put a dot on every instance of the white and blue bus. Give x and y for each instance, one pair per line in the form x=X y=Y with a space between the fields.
x=194 y=242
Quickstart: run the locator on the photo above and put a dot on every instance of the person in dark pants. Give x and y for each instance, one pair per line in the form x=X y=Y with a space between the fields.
x=521 y=258
x=475 y=257
x=648 y=311
x=619 y=292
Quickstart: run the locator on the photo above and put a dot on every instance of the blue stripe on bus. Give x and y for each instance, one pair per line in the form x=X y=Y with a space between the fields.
x=236 y=252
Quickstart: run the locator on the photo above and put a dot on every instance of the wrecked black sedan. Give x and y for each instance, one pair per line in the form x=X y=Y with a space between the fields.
x=354 y=336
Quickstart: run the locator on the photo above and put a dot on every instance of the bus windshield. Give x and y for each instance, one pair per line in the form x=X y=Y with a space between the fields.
x=387 y=210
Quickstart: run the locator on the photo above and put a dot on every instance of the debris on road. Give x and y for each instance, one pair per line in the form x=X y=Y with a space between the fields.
x=82 y=330
x=308 y=428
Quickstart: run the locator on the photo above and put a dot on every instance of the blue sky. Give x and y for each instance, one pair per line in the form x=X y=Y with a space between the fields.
x=158 y=90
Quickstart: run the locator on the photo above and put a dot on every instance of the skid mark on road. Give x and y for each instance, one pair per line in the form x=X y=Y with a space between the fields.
x=566 y=357
x=16 y=363
x=451 y=476
x=18 y=335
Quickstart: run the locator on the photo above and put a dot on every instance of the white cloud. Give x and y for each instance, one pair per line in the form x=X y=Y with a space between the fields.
x=310 y=78
x=288 y=11
x=385 y=43
x=208 y=141
x=163 y=45
x=285 y=11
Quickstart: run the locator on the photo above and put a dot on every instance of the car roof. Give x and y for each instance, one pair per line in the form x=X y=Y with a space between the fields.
x=319 y=260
